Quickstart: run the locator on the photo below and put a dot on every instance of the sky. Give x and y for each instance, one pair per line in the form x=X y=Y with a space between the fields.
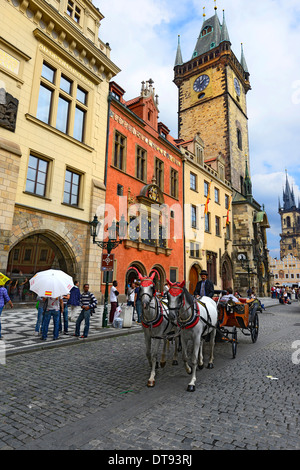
x=143 y=36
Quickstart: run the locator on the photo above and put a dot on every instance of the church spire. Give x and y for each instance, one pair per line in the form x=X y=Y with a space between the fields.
x=243 y=60
x=288 y=195
x=247 y=181
x=224 y=30
x=178 y=60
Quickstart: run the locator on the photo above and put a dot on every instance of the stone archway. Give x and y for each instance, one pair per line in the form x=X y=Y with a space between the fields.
x=160 y=278
x=38 y=251
x=131 y=273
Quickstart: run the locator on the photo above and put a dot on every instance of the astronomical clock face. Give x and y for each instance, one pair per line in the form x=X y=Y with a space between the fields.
x=237 y=86
x=201 y=83
x=153 y=193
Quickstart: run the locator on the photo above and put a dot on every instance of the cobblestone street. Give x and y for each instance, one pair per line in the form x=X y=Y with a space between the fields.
x=93 y=395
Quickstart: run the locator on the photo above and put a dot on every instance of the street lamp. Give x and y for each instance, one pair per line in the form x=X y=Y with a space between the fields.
x=245 y=262
x=117 y=229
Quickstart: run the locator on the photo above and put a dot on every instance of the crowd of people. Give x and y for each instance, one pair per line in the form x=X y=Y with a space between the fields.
x=285 y=294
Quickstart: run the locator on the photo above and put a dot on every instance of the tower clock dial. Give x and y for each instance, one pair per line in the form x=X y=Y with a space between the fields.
x=237 y=86
x=201 y=83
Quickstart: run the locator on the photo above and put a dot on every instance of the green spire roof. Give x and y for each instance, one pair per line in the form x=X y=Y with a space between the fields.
x=178 y=60
x=243 y=60
x=211 y=35
x=224 y=30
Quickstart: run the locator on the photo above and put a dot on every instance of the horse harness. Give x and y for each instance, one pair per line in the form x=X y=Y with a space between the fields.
x=195 y=316
x=161 y=315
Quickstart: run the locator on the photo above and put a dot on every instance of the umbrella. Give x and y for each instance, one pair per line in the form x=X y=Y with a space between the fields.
x=51 y=283
x=3 y=279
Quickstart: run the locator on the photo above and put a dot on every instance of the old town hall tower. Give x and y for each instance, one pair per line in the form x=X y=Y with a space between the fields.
x=212 y=98
x=212 y=90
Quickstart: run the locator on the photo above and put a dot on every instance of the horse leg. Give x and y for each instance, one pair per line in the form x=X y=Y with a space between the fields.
x=163 y=356
x=151 y=381
x=196 y=346
x=200 y=357
x=175 y=357
x=212 y=347
x=148 y=346
x=185 y=356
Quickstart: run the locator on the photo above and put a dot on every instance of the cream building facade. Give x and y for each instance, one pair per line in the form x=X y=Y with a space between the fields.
x=285 y=271
x=207 y=230
x=54 y=84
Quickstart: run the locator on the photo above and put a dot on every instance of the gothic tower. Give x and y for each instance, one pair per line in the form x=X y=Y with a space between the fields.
x=213 y=86
x=290 y=223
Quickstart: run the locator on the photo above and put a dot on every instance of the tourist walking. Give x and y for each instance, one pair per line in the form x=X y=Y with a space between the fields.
x=113 y=301
x=138 y=301
x=74 y=302
x=130 y=298
x=88 y=303
x=4 y=299
x=64 y=314
x=40 y=313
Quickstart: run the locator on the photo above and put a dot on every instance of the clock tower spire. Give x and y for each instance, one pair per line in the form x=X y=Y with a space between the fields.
x=213 y=86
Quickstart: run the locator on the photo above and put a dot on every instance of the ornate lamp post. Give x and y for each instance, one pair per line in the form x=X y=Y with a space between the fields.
x=245 y=262
x=117 y=229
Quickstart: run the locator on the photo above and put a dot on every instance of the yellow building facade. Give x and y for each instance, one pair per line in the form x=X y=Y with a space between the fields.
x=207 y=217
x=54 y=83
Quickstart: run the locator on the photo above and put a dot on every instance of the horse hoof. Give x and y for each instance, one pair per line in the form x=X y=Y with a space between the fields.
x=151 y=383
x=175 y=363
x=200 y=367
x=210 y=365
x=191 y=388
x=162 y=364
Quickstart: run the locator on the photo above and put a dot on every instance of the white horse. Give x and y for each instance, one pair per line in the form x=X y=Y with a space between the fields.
x=156 y=325
x=196 y=318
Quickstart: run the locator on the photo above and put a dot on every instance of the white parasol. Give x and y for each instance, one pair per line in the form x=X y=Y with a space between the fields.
x=51 y=283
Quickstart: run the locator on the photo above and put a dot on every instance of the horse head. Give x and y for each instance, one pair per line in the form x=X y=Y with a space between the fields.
x=147 y=289
x=175 y=296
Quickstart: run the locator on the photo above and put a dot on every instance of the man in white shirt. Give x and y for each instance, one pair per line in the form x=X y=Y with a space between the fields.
x=113 y=301
x=229 y=296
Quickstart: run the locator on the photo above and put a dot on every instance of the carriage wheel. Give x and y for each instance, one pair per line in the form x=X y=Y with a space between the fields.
x=254 y=327
x=234 y=342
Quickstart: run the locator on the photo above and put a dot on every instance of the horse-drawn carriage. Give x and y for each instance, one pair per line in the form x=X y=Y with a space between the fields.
x=241 y=315
x=183 y=316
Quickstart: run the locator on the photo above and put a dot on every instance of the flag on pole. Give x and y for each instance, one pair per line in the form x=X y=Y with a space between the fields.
x=207 y=199
x=228 y=209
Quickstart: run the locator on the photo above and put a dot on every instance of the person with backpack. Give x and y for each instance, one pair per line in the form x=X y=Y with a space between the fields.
x=88 y=303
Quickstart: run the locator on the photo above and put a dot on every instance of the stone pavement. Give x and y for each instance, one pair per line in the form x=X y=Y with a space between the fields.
x=93 y=395
x=18 y=326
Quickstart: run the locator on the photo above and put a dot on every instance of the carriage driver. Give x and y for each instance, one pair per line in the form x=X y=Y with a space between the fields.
x=205 y=286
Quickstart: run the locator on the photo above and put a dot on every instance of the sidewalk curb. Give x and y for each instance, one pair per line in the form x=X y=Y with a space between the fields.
x=111 y=333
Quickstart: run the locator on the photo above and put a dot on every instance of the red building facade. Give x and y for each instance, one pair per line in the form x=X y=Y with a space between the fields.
x=144 y=184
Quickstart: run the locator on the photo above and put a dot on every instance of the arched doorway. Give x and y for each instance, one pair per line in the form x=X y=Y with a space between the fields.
x=160 y=278
x=37 y=252
x=226 y=273
x=193 y=278
x=132 y=275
